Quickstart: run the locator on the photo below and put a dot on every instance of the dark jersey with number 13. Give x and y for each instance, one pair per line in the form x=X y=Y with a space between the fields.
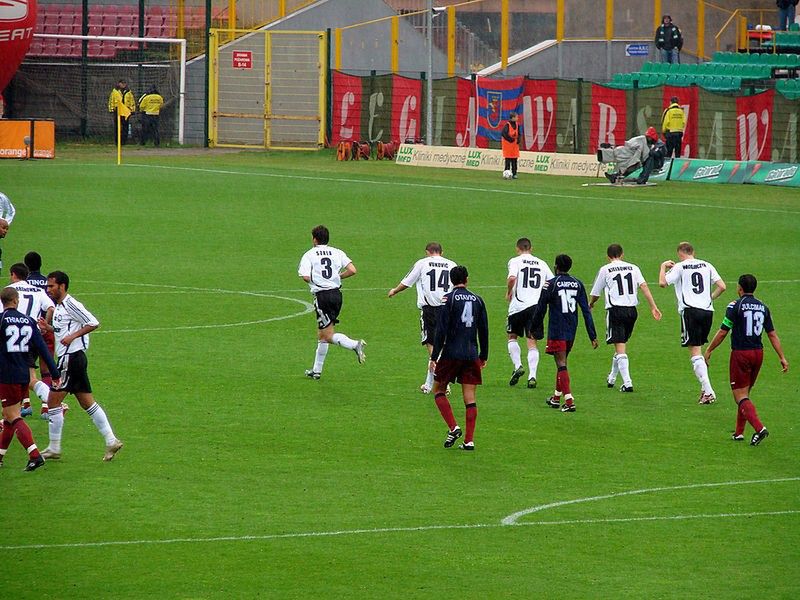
x=461 y=327
x=747 y=318
x=18 y=333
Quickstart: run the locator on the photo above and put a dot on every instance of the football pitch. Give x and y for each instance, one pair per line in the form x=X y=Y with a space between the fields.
x=242 y=478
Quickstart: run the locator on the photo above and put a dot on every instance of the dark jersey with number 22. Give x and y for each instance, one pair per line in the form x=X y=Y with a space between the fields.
x=562 y=295
x=461 y=326
x=747 y=318
x=18 y=334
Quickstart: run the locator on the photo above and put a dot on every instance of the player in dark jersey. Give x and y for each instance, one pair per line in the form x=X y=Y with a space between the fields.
x=747 y=318
x=460 y=351
x=33 y=261
x=561 y=297
x=18 y=333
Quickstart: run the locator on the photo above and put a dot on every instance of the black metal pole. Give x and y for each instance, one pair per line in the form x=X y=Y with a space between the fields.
x=84 y=68
x=328 y=89
x=140 y=74
x=208 y=68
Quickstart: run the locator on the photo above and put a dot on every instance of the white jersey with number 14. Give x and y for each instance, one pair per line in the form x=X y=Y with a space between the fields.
x=431 y=275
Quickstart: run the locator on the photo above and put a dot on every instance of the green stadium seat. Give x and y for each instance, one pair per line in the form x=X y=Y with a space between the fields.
x=647 y=67
x=794 y=27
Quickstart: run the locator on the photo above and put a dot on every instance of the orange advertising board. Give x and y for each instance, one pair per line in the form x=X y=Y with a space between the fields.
x=41 y=136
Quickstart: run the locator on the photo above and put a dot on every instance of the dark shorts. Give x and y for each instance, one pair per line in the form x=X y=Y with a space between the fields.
x=328 y=304
x=427 y=323
x=695 y=326
x=521 y=324
x=554 y=346
x=619 y=323
x=744 y=368
x=13 y=393
x=461 y=371
x=74 y=374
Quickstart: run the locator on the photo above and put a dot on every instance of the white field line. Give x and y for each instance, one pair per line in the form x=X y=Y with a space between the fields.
x=351 y=180
x=495 y=525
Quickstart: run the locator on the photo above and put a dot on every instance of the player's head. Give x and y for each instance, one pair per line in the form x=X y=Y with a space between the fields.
x=33 y=261
x=459 y=275
x=512 y=116
x=523 y=245
x=9 y=297
x=666 y=19
x=747 y=284
x=614 y=251
x=685 y=250
x=651 y=134
x=433 y=248
x=563 y=263
x=673 y=100
x=19 y=272
x=3 y=228
x=320 y=235
x=57 y=285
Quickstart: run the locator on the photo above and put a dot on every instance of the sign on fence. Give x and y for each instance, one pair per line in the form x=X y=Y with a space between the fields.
x=242 y=60
x=637 y=49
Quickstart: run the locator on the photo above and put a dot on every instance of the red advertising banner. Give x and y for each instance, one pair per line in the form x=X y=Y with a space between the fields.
x=689 y=99
x=406 y=108
x=609 y=115
x=346 y=105
x=466 y=109
x=539 y=109
x=754 y=126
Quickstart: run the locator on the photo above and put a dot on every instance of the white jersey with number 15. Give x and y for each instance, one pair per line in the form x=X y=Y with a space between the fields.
x=530 y=273
x=323 y=265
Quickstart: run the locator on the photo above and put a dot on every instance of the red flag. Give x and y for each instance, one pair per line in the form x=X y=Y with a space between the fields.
x=466 y=113
x=346 y=124
x=608 y=117
x=496 y=99
x=406 y=108
x=754 y=126
x=539 y=106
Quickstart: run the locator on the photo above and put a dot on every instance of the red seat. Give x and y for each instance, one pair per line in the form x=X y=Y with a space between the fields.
x=37 y=47
x=50 y=47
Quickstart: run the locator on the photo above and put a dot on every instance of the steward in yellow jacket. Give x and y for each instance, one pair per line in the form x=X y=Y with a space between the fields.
x=673 y=122
x=121 y=94
x=150 y=105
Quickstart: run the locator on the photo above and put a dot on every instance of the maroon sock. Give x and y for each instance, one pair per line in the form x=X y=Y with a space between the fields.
x=741 y=421
x=562 y=380
x=47 y=379
x=443 y=404
x=472 y=416
x=5 y=437
x=25 y=436
x=749 y=410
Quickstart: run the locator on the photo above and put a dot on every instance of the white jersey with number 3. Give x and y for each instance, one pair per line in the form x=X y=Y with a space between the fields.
x=431 y=275
x=620 y=280
x=693 y=280
x=323 y=265
x=530 y=273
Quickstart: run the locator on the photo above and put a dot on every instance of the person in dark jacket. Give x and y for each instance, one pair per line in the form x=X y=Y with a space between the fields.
x=786 y=11
x=669 y=41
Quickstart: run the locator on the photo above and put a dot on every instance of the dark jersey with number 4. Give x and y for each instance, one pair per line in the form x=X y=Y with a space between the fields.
x=461 y=327
x=18 y=334
x=747 y=318
x=562 y=295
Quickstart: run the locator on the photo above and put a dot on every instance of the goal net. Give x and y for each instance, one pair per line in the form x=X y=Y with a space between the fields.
x=69 y=78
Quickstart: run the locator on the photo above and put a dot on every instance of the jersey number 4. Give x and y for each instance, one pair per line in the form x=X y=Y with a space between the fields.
x=17 y=338
x=466 y=315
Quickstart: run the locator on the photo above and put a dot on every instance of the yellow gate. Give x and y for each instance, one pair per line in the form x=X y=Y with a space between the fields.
x=267 y=89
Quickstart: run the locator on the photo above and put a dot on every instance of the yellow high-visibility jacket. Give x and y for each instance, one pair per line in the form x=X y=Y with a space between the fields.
x=150 y=104
x=673 y=120
x=116 y=97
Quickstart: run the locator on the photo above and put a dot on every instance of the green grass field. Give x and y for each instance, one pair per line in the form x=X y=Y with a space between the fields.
x=241 y=478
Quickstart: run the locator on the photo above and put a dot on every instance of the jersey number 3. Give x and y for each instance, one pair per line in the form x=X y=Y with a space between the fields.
x=18 y=338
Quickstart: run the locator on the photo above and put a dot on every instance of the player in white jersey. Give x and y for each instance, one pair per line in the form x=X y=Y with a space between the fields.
x=323 y=268
x=72 y=324
x=697 y=285
x=431 y=275
x=621 y=282
x=526 y=277
x=7 y=212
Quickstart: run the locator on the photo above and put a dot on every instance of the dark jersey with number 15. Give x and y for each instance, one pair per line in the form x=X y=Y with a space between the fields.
x=562 y=295
x=461 y=327
x=18 y=334
x=747 y=318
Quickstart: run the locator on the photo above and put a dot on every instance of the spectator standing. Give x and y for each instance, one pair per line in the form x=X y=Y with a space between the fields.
x=669 y=41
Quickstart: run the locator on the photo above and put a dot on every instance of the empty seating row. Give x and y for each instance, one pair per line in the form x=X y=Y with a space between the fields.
x=775 y=60
x=747 y=71
x=643 y=80
x=789 y=88
x=72 y=48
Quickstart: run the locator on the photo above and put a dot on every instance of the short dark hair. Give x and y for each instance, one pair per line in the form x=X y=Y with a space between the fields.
x=748 y=283
x=512 y=114
x=458 y=275
x=59 y=277
x=614 y=251
x=686 y=248
x=674 y=100
x=33 y=261
x=321 y=234
x=434 y=248
x=20 y=270
x=8 y=295
x=563 y=263
x=524 y=244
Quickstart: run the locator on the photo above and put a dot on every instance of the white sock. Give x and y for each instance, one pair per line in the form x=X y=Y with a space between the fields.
x=56 y=425
x=622 y=365
x=319 y=358
x=612 y=377
x=42 y=390
x=429 y=379
x=515 y=353
x=701 y=372
x=342 y=340
x=101 y=422
x=533 y=362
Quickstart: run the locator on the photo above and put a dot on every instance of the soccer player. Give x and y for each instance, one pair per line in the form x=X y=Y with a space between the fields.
x=460 y=351
x=33 y=261
x=7 y=213
x=20 y=335
x=561 y=296
x=72 y=324
x=323 y=268
x=693 y=280
x=431 y=275
x=621 y=282
x=526 y=277
x=748 y=317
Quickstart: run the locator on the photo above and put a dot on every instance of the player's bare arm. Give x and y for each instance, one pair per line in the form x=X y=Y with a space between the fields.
x=592 y=300
x=776 y=344
x=718 y=339
x=662 y=272
x=349 y=271
x=68 y=339
x=397 y=289
x=512 y=281
x=719 y=289
x=653 y=306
